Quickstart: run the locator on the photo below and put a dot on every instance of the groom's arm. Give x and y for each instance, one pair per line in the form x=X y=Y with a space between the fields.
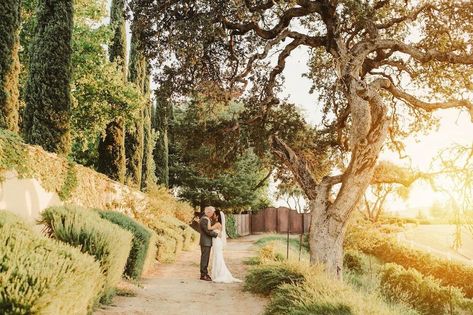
x=205 y=227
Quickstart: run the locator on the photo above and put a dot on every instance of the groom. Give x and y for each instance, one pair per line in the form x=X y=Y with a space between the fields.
x=206 y=242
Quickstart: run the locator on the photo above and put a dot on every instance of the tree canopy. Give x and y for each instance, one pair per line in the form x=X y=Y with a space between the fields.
x=379 y=69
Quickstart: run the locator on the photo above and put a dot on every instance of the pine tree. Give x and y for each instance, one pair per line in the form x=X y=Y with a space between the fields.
x=9 y=64
x=111 y=161
x=48 y=91
x=134 y=138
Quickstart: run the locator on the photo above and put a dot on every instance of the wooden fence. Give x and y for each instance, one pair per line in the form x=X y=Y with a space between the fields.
x=276 y=220
x=243 y=223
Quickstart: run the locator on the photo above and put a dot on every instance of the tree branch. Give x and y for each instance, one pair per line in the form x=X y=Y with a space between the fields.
x=415 y=102
x=286 y=18
x=297 y=164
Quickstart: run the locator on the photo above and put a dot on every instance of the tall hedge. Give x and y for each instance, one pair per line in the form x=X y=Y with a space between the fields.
x=9 y=64
x=111 y=150
x=134 y=139
x=48 y=90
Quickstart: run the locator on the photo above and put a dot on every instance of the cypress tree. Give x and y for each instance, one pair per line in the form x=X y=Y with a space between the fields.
x=111 y=161
x=48 y=91
x=134 y=138
x=148 y=144
x=161 y=149
x=9 y=63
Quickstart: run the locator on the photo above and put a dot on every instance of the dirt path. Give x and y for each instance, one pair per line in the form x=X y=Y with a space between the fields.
x=175 y=289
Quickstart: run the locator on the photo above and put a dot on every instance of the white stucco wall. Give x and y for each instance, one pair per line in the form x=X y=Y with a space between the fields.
x=25 y=197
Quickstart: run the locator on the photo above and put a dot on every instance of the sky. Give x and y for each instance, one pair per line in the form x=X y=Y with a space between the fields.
x=455 y=128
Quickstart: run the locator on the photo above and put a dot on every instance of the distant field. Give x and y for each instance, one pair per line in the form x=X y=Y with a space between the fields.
x=438 y=240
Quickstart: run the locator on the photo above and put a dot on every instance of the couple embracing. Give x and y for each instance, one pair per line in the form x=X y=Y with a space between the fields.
x=213 y=238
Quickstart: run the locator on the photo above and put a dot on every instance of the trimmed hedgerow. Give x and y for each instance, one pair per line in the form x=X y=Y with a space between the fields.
x=188 y=234
x=389 y=250
x=142 y=238
x=84 y=228
x=151 y=254
x=165 y=248
x=43 y=276
x=424 y=294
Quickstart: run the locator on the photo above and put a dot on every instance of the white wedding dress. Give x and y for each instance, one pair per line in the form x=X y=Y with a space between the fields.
x=220 y=272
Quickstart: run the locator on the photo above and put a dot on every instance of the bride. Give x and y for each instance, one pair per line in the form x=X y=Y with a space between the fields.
x=220 y=272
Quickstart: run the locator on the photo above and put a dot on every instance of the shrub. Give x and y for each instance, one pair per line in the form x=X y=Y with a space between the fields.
x=83 y=228
x=231 y=226
x=43 y=276
x=141 y=244
x=264 y=279
x=162 y=203
x=182 y=228
x=320 y=295
x=353 y=261
x=151 y=253
x=165 y=249
x=269 y=253
x=425 y=294
x=389 y=250
x=317 y=293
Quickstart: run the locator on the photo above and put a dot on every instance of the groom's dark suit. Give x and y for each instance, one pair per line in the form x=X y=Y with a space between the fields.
x=205 y=244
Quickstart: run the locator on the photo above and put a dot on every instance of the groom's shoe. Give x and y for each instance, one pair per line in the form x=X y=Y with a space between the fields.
x=205 y=278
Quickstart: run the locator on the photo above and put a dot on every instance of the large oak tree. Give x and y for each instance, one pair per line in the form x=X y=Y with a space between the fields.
x=379 y=69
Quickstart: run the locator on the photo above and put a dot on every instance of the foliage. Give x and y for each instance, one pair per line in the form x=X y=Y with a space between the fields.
x=166 y=252
x=138 y=73
x=231 y=226
x=172 y=235
x=161 y=202
x=322 y=295
x=9 y=64
x=48 y=110
x=70 y=182
x=264 y=279
x=35 y=271
x=387 y=249
x=13 y=154
x=111 y=148
x=297 y=288
x=161 y=149
x=378 y=68
x=102 y=95
x=82 y=228
x=141 y=244
x=353 y=261
x=188 y=234
x=425 y=294
x=111 y=151
x=148 y=177
x=211 y=165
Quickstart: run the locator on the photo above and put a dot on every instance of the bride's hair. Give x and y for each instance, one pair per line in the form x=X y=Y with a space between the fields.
x=219 y=217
